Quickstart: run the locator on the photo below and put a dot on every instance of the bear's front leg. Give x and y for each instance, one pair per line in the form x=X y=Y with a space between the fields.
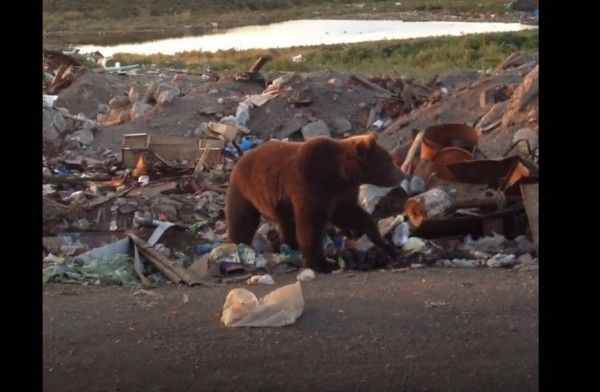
x=310 y=228
x=353 y=217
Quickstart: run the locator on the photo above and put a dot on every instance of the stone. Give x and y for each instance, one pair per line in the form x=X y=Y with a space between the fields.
x=494 y=95
x=50 y=134
x=134 y=94
x=166 y=97
x=315 y=129
x=524 y=101
x=526 y=259
x=529 y=135
x=501 y=260
x=59 y=122
x=119 y=102
x=82 y=224
x=341 y=125
x=151 y=92
x=83 y=136
x=139 y=109
x=103 y=108
x=201 y=130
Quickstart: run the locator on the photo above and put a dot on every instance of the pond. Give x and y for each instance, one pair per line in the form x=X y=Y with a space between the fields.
x=306 y=33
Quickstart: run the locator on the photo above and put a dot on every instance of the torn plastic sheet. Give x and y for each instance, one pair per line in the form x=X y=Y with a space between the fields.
x=117 y=269
x=109 y=264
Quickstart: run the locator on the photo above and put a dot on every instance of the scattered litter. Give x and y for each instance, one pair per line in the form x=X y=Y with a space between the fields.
x=491 y=244
x=48 y=189
x=414 y=245
x=144 y=180
x=435 y=304
x=413 y=185
x=460 y=263
x=53 y=259
x=116 y=270
x=401 y=234
x=261 y=279
x=306 y=275
x=49 y=100
x=502 y=261
x=88 y=188
x=369 y=196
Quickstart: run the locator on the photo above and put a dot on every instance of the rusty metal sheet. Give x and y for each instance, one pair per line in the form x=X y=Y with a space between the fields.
x=501 y=173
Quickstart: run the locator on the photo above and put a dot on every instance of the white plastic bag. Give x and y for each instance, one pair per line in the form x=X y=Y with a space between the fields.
x=49 y=100
x=277 y=309
x=306 y=275
x=261 y=279
x=369 y=195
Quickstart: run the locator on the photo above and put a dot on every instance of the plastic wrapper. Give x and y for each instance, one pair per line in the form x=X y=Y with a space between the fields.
x=460 y=263
x=369 y=196
x=414 y=245
x=401 y=234
x=279 y=308
x=306 y=275
x=502 y=261
x=261 y=279
x=116 y=270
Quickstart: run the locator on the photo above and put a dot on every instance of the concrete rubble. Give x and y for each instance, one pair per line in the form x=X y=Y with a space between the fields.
x=144 y=158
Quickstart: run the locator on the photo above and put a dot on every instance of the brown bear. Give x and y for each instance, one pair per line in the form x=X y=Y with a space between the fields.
x=301 y=186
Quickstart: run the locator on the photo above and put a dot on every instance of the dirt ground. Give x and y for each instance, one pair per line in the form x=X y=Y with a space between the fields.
x=421 y=330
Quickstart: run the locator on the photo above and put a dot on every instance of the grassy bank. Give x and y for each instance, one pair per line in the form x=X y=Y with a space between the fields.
x=115 y=21
x=418 y=58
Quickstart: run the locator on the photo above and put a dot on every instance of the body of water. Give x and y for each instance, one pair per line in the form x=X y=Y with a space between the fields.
x=306 y=33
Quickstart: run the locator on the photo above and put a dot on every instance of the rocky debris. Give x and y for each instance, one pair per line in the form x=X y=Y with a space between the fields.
x=315 y=129
x=487 y=104
x=84 y=136
x=523 y=106
x=515 y=60
x=166 y=97
x=88 y=91
x=53 y=60
x=119 y=102
x=139 y=109
x=343 y=102
x=167 y=194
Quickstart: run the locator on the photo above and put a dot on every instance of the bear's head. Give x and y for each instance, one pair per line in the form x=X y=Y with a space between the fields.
x=369 y=163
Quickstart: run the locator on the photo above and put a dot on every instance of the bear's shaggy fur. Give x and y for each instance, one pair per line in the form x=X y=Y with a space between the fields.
x=303 y=186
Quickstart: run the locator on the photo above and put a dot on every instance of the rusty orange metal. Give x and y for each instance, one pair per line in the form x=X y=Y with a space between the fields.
x=448 y=135
x=448 y=156
x=497 y=174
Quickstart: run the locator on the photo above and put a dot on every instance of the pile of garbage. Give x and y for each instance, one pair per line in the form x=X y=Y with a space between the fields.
x=145 y=163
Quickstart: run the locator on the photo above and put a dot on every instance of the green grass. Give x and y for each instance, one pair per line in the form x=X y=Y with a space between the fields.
x=118 y=9
x=116 y=21
x=417 y=58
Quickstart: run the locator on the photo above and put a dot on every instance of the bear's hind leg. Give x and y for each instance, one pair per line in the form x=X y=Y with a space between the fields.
x=241 y=216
